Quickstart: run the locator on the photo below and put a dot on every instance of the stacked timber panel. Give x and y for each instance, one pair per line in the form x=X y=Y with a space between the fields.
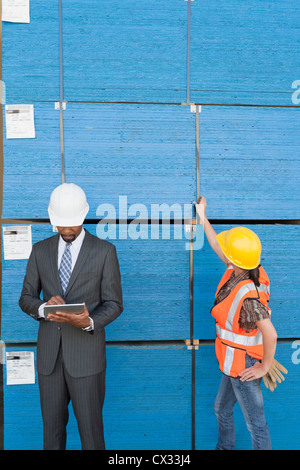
x=244 y=53
x=250 y=162
x=125 y=52
x=147 y=399
x=123 y=155
x=130 y=70
x=32 y=167
x=30 y=56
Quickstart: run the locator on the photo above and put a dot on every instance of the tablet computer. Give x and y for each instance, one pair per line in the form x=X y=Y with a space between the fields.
x=66 y=308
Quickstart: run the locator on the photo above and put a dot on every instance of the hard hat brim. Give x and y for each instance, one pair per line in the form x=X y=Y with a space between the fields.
x=65 y=222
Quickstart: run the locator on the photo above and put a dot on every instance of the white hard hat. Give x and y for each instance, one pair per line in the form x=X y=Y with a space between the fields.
x=68 y=206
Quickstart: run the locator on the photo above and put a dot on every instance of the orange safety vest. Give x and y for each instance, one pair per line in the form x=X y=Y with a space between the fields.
x=232 y=342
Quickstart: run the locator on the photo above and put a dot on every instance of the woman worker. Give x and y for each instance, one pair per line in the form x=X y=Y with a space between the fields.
x=246 y=338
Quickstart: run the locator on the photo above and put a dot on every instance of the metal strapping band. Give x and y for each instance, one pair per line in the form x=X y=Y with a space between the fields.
x=198 y=153
x=61 y=125
x=188 y=58
x=193 y=391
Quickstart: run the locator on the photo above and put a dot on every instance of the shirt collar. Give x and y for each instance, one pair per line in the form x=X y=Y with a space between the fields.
x=240 y=277
x=231 y=284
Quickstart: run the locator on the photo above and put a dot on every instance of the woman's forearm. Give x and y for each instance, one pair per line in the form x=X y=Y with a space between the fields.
x=211 y=238
x=269 y=342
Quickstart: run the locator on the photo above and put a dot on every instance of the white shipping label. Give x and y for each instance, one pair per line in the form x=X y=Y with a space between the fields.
x=15 y=11
x=20 y=367
x=19 y=120
x=17 y=242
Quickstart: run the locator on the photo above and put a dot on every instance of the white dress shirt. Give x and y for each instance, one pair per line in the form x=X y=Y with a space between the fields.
x=74 y=249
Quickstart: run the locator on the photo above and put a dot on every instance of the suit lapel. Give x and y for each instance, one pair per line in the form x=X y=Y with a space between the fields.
x=82 y=257
x=53 y=263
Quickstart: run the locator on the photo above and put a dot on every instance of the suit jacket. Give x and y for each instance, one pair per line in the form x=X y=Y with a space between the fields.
x=96 y=281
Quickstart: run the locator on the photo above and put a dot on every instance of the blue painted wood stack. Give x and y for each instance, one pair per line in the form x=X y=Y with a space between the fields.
x=131 y=71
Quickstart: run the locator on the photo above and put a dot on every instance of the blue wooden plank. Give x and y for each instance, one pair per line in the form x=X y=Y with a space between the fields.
x=147 y=393
x=30 y=55
x=23 y=429
x=16 y=326
x=282 y=414
x=125 y=51
x=145 y=153
x=249 y=162
x=241 y=53
x=155 y=282
x=148 y=401
x=279 y=246
x=32 y=167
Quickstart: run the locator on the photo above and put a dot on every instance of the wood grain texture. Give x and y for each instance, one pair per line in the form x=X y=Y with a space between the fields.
x=32 y=167
x=30 y=55
x=146 y=153
x=249 y=159
x=244 y=53
x=250 y=162
x=147 y=404
x=125 y=51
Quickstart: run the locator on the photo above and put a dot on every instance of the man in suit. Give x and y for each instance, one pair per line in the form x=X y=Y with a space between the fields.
x=73 y=266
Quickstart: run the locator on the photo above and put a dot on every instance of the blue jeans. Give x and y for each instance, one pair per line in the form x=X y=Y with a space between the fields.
x=250 y=399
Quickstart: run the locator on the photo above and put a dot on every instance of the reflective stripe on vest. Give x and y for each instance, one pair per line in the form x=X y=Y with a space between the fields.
x=241 y=293
x=240 y=340
x=232 y=342
x=228 y=360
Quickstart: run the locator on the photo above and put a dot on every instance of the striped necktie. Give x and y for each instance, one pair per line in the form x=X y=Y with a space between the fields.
x=65 y=268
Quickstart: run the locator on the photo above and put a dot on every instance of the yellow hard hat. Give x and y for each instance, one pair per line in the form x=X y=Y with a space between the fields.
x=241 y=246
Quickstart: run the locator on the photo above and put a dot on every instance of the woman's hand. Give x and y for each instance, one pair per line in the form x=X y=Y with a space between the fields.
x=251 y=373
x=201 y=207
x=269 y=335
x=208 y=229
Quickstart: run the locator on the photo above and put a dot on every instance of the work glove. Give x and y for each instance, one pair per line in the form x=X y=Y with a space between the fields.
x=274 y=375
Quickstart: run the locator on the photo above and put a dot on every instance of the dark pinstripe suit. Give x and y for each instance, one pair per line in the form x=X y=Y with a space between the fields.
x=96 y=281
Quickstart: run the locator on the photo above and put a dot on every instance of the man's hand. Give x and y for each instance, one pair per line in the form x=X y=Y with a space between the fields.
x=78 y=320
x=56 y=300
